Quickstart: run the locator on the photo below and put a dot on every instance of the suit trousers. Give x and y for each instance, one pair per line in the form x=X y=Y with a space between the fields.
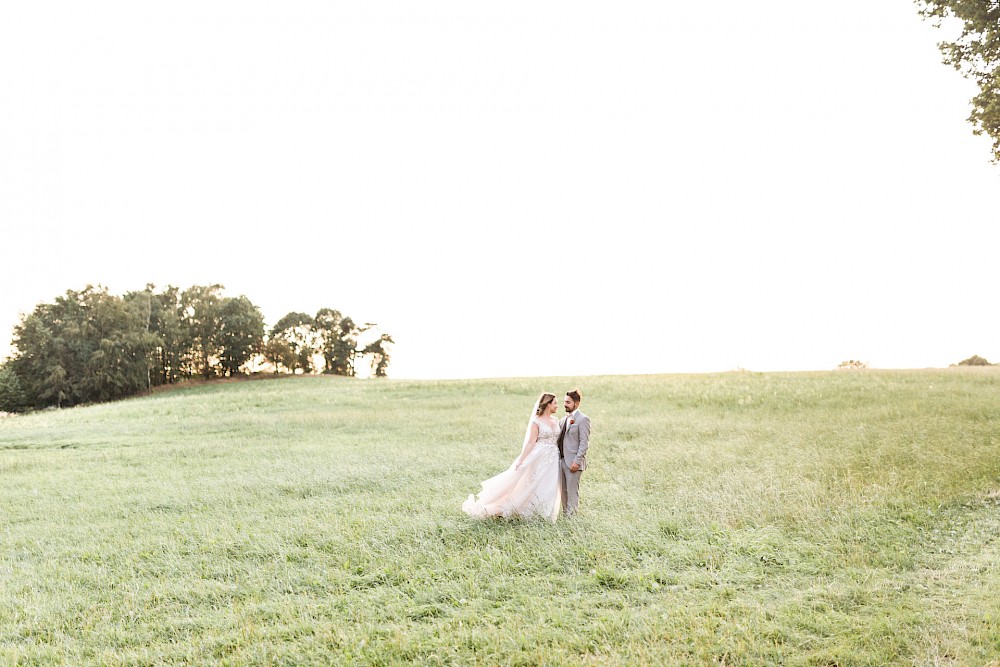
x=569 y=487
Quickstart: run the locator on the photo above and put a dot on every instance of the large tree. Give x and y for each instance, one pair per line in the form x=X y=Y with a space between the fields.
x=86 y=346
x=976 y=54
x=338 y=341
x=344 y=342
x=119 y=366
x=297 y=330
x=165 y=320
x=379 y=352
x=241 y=334
x=201 y=318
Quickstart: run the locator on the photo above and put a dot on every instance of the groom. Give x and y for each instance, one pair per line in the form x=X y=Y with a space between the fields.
x=574 y=439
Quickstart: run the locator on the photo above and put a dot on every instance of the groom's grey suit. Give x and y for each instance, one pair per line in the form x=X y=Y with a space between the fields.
x=574 y=440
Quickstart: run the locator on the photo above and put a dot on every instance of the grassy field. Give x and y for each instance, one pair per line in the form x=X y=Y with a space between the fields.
x=841 y=518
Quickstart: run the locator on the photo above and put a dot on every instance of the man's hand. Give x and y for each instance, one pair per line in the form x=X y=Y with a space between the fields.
x=574 y=467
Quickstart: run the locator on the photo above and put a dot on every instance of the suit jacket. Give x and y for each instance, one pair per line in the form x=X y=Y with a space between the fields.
x=576 y=441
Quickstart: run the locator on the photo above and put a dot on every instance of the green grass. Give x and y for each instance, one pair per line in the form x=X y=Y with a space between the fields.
x=842 y=518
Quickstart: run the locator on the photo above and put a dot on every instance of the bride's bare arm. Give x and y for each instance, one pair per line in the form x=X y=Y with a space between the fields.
x=532 y=439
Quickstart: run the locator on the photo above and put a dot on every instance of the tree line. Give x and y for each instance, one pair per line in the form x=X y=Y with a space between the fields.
x=90 y=345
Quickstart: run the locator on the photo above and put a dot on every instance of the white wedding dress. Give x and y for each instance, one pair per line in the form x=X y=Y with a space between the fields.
x=530 y=490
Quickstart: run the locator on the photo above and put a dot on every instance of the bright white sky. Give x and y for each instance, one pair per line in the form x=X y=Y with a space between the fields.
x=517 y=188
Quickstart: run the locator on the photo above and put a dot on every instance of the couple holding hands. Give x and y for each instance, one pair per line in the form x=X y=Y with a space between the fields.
x=546 y=476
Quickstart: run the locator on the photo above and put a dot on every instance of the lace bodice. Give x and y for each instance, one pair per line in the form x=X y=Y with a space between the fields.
x=548 y=431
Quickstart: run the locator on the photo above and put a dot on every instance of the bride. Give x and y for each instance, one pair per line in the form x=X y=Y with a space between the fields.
x=530 y=486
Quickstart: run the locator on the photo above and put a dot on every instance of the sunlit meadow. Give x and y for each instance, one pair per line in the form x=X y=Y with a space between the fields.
x=840 y=518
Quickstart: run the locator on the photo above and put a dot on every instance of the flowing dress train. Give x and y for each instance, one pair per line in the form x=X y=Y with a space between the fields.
x=529 y=490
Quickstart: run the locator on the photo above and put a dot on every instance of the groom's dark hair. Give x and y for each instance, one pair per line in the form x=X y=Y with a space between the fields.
x=575 y=395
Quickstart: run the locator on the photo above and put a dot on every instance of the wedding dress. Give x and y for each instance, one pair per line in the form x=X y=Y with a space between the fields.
x=529 y=490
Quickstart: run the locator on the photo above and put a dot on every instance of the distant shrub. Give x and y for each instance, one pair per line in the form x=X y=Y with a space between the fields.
x=851 y=363
x=974 y=360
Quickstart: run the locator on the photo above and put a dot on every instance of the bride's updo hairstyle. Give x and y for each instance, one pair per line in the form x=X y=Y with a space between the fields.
x=543 y=402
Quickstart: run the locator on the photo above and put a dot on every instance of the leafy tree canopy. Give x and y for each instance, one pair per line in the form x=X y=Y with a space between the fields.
x=976 y=54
